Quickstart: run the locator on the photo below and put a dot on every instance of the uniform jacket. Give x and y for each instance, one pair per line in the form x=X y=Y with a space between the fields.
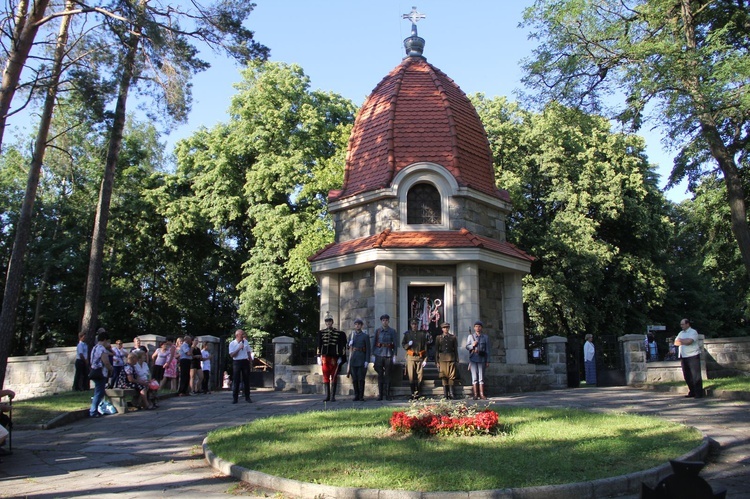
x=481 y=353
x=332 y=342
x=385 y=342
x=421 y=340
x=359 y=348
x=446 y=349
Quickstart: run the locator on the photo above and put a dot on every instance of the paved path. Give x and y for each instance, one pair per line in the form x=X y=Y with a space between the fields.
x=157 y=453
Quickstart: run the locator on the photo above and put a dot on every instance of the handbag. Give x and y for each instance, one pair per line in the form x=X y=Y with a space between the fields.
x=96 y=374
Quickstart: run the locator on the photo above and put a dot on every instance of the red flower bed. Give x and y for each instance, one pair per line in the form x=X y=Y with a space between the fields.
x=427 y=422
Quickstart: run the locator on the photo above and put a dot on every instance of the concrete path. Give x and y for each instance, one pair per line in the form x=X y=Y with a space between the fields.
x=158 y=454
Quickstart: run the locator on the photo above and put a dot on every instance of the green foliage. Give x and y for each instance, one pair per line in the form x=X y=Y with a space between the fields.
x=260 y=182
x=587 y=207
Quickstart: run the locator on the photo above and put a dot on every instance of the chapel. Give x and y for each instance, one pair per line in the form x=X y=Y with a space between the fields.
x=420 y=225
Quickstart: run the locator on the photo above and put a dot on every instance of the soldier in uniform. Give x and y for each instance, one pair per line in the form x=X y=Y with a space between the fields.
x=359 y=354
x=415 y=342
x=384 y=346
x=331 y=354
x=478 y=345
x=446 y=358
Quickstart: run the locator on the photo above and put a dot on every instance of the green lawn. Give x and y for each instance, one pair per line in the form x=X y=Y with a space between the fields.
x=356 y=448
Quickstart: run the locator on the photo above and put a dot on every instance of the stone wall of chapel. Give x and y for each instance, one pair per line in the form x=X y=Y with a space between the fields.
x=479 y=218
x=366 y=220
x=357 y=298
x=491 y=310
x=373 y=218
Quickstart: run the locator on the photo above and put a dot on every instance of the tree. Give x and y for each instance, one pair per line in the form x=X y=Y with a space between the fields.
x=683 y=63
x=260 y=182
x=587 y=206
x=158 y=52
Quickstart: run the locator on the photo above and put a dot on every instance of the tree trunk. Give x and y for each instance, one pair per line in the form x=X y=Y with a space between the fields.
x=96 y=257
x=24 y=34
x=14 y=279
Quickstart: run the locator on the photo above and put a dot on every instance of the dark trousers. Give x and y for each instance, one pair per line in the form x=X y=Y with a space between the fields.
x=206 y=377
x=240 y=372
x=383 y=366
x=691 y=371
x=184 y=387
x=81 y=379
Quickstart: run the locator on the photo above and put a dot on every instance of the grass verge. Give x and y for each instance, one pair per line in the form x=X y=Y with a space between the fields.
x=733 y=384
x=356 y=448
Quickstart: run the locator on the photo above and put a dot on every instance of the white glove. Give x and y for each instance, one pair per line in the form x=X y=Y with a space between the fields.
x=393 y=359
x=411 y=342
x=320 y=361
x=340 y=360
x=351 y=343
x=424 y=363
x=372 y=359
x=365 y=365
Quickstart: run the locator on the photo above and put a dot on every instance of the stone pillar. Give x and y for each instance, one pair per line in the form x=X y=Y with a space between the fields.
x=150 y=341
x=556 y=347
x=386 y=292
x=515 y=341
x=467 y=299
x=634 y=357
x=329 y=298
x=283 y=351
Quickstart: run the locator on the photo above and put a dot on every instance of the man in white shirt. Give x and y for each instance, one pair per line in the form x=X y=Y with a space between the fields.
x=241 y=353
x=690 y=358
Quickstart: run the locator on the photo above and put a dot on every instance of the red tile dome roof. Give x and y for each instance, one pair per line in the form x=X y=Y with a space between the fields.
x=416 y=114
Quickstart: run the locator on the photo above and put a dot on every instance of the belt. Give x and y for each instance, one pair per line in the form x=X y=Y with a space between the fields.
x=384 y=345
x=355 y=349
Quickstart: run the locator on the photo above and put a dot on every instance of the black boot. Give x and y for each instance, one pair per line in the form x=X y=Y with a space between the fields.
x=387 y=388
x=355 y=385
x=450 y=392
x=362 y=390
x=445 y=392
x=328 y=391
x=333 y=391
x=417 y=390
x=380 y=390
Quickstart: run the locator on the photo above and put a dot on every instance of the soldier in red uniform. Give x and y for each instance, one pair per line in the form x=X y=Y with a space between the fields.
x=331 y=354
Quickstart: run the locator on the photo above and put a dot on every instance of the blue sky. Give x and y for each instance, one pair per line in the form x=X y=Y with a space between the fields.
x=348 y=46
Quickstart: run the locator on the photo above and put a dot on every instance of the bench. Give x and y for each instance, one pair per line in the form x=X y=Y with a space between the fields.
x=120 y=398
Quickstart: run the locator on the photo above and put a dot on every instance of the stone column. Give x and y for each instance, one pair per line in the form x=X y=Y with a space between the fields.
x=385 y=293
x=634 y=358
x=329 y=298
x=467 y=300
x=556 y=347
x=283 y=350
x=515 y=341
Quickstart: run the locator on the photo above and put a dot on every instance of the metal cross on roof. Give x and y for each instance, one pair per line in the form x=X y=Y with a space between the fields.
x=414 y=17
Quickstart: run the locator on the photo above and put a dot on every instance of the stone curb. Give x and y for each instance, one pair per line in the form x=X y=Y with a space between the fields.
x=604 y=487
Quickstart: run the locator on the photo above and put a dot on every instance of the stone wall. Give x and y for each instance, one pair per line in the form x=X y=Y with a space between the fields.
x=491 y=308
x=727 y=356
x=367 y=219
x=357 y=299
x=480 y=218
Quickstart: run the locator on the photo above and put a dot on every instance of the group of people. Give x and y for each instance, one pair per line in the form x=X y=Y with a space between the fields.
x=359 y=349
x=111 y=366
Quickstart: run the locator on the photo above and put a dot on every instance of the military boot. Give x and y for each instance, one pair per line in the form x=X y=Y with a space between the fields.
x=413 y=390
x=328 y=391
x=380 y=390
x=450 y=392
x=355 y=385
x=333 y=391
x=474 y=391
x=445 y=392
x=362 y=390
x=387 y=389
x=481 y=392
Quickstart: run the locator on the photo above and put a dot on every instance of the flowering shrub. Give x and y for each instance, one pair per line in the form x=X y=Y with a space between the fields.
x=444 y=418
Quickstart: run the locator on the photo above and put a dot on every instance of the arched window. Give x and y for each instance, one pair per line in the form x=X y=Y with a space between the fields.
x=423 y=205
